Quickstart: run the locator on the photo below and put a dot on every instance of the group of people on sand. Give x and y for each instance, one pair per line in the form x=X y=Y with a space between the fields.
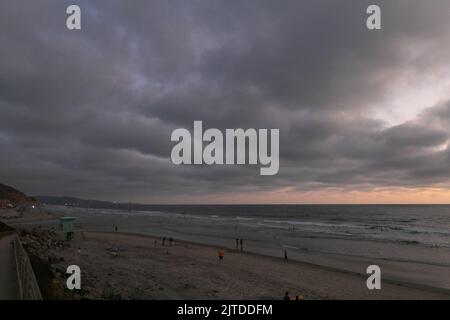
x=164 y=239
x=287 y=297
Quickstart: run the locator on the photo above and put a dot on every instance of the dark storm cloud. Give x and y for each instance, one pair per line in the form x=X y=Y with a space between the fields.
x=90 y=112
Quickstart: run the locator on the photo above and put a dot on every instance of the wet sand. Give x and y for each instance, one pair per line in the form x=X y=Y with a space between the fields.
x=124 y=266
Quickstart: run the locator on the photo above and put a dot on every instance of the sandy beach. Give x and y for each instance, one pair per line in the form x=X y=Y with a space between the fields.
x=124 y=266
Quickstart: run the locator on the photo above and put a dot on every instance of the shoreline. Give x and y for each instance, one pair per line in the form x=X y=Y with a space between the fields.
x=405 y=284
x=144 y=269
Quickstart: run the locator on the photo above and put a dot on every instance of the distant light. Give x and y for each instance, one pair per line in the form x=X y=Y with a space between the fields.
x=33 y=206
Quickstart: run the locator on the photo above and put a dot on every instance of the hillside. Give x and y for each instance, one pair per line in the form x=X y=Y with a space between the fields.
x=75 y=202
x=11 y=196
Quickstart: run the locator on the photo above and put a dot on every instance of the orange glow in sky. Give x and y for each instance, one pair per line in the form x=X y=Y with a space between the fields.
x=389 y=195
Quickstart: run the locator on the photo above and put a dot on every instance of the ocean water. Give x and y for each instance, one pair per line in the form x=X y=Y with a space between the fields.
x=410 y=243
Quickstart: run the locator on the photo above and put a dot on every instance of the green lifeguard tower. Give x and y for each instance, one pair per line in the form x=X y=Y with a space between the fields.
x=68 y=226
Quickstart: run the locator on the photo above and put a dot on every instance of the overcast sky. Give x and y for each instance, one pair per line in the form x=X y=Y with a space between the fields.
x=364 y=116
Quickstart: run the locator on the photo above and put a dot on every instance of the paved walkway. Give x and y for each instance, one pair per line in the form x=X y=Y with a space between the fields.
x=9 y=288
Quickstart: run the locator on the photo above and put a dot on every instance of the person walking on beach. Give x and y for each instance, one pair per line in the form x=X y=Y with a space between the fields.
x=221 y=254
x=170 y=241
x=285 y=255
x=115 y=228
x=286 y=296
x=237 y=244
x=164 y=241
x=242 y=244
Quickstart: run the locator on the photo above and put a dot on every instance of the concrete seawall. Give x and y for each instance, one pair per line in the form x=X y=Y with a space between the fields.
x=9 y=286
